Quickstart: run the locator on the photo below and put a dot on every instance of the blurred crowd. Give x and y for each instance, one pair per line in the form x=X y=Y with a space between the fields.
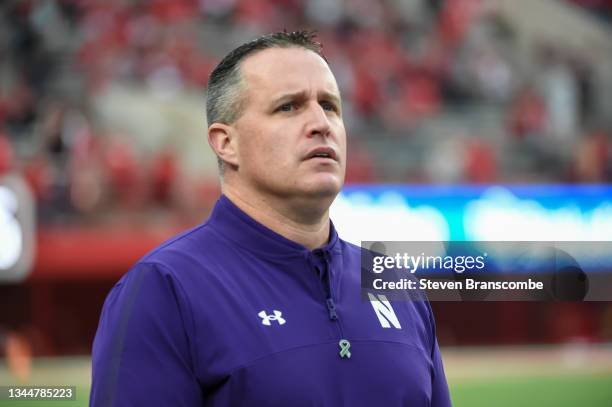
x=434 y=91
x=599 y=8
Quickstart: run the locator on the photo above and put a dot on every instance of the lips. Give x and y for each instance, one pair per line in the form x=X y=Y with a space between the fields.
x=322 y=152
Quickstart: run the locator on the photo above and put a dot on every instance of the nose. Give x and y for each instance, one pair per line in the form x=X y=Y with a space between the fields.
x=318 y=122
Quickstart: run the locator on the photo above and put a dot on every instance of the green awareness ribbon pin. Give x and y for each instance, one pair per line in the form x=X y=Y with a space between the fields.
x=344 y=348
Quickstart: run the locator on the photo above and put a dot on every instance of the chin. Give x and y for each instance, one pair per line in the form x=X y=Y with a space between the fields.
x=328 y=187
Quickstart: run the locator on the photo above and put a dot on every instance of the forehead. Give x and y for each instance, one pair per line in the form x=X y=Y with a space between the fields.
x=278 y=70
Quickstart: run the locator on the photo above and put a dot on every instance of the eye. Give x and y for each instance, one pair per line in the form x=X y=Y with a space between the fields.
x=329 y=106
x=286 y=107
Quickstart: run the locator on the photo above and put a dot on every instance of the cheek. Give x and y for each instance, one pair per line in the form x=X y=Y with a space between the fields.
x=266 y=154
x=342 y=143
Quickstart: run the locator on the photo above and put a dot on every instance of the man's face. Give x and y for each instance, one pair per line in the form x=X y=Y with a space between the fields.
x=291 y=138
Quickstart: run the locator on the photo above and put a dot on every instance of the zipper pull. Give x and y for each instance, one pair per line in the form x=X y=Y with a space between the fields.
x=331 y=307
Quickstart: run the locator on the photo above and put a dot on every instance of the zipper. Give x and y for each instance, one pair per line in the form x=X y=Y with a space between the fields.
x=344 y=344
x=331 y=308
x=325 y=280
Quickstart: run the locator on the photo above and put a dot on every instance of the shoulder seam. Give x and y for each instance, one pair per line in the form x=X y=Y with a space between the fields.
x=172 y=240
x=193 y=349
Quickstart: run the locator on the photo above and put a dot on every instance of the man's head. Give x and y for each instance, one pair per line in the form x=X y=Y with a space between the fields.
x=225 y=96
x=275 y=118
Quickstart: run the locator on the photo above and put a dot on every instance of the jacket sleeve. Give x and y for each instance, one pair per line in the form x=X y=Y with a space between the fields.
x=440 y=396
x=141 y=353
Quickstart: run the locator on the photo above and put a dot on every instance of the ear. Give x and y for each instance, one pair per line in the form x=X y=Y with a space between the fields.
x=223 y=140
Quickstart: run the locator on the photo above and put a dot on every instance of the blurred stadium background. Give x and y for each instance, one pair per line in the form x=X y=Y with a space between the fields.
x=103 y=156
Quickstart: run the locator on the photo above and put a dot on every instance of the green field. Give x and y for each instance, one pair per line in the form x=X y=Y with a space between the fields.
x=567 y=376
x=554 y=391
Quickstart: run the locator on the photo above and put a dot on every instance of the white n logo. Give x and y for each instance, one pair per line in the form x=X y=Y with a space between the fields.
x=384 y=311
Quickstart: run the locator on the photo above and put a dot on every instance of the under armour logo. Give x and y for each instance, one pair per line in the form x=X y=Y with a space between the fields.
x=265 y=318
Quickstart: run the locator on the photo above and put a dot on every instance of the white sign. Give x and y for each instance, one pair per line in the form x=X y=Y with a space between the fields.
x=16 y=229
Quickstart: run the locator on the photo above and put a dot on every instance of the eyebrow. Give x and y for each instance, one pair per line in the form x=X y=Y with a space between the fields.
x=301 y=95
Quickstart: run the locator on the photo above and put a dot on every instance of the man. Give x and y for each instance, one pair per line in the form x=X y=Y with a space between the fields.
x=260 y=305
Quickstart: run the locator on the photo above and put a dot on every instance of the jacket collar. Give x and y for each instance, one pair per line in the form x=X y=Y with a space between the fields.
x=231 y=222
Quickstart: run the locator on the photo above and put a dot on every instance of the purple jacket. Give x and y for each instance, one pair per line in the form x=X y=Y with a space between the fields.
x=232 y=314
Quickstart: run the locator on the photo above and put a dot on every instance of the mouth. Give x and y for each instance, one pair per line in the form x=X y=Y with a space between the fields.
x=327 y=153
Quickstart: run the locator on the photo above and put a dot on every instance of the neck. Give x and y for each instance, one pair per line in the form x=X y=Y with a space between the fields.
x=303 y=223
